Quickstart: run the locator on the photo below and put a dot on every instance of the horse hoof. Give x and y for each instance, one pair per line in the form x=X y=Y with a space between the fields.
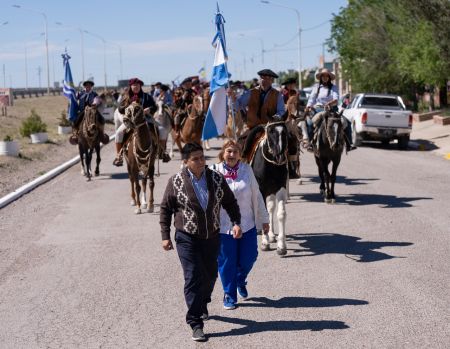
x=272 y=238
x=82 y=172
x=150 y=209
x=137 y=211
x=299 y=181
x=333 y=201
x=265 y=247
x=97 y=173
x=143 y=206
x=132 y=203
x=322 y=192
x=281 y=251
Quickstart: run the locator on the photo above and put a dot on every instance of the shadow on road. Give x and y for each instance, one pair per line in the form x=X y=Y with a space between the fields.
x=416 y=144
x=251 y=326
x=384 y=201
x=300 y=302
x=350 y=246
x=343 y=179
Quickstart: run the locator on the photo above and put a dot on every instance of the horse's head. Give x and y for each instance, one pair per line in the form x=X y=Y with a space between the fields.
x=333 y=125
x=197 y=104
x=134 y=115
x=277 y=140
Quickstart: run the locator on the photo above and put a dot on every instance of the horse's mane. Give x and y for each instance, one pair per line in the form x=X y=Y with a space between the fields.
x=254 y=133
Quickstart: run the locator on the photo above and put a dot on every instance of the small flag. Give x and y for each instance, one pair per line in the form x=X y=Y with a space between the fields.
x=216 y=117
x=202 y=73
x=69 y=89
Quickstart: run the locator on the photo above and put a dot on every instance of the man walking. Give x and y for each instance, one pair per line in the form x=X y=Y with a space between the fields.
x=194 y=197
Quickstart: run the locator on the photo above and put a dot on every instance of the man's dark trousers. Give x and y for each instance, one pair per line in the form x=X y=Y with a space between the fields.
x=198 y=259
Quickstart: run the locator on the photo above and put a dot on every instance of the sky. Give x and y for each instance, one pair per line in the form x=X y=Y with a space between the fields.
x=159 y=40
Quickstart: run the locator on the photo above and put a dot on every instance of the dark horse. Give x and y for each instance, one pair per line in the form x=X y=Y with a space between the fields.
x=269 y=165
x=89 y=140
x=140 y=154
x=328 y=148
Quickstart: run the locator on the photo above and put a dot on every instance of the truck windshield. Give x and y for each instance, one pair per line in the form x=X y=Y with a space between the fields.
x=380 y=102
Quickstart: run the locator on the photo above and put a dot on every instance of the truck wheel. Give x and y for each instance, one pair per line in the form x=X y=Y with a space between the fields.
x=357 y=140
x=403 y=142
x=385 y=142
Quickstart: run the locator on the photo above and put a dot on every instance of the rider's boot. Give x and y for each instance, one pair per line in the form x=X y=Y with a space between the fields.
x=104 y=138
x=348 y=138
x=118 y=161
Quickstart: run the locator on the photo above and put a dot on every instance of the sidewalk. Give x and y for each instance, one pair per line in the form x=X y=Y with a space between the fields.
x=429 y=136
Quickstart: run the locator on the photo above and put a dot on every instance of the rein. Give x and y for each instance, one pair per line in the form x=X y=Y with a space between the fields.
x=265 y=141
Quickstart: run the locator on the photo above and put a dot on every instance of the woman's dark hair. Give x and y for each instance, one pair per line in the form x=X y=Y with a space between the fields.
x=329 y=84
x=188 y=149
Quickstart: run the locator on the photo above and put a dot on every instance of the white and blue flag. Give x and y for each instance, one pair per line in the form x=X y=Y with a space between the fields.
x=216 y=117
x=69 y=89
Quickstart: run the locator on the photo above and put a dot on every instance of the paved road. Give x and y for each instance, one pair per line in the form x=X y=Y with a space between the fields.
x=79 y=270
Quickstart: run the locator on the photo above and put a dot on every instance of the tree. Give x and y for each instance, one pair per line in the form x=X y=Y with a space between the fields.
x=393 y=46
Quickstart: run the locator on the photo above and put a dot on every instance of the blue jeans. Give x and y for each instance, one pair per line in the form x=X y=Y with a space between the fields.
x=236 y=259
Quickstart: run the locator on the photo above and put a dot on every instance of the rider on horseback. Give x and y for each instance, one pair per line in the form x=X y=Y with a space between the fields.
x=88 y=97
x=133 y=94
x=325 y=93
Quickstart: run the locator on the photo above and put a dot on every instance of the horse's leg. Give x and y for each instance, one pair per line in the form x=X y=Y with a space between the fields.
x=137 y=189
x=98 y=160
x=271 y=205
x=132 y=179
x=151 y=186
x=206 y=145
x=321 y=175
x=281 y=216
x=88 y=154
x=327 y=175
x=333 y=178
x=81 y=152
x=144 y=193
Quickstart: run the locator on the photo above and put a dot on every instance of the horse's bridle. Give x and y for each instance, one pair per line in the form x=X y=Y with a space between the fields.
x=285 y=158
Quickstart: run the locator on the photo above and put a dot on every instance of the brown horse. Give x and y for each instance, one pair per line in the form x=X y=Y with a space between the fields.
x=294 y=110
x=239 y=124
x=89 y=140
x=140 y=154
x=191 y=130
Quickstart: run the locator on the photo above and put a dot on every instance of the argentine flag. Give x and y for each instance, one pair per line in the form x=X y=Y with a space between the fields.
x=216 y=117
x=69 y=89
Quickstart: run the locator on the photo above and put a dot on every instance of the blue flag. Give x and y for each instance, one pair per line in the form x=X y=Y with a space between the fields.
x=69 y=89
x=216 y=117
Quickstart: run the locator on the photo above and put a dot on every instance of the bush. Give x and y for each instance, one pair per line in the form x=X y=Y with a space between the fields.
x=7 y=138
x=63 y=121
x=32 y=124
x=423 y=106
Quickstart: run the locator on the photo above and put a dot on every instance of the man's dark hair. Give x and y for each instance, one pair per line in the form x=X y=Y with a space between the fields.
x=188 y=149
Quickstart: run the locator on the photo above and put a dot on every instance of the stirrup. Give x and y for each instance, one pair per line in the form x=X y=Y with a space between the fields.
x=118 y=161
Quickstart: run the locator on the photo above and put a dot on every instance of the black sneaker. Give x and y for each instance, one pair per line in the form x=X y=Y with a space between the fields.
x=198 y=335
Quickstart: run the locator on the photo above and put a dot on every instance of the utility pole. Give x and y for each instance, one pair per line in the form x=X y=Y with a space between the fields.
x=26 y=69
x=39 y=69
x=4 y=76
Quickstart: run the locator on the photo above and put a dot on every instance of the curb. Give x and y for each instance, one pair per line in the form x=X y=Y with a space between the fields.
x=7 y=199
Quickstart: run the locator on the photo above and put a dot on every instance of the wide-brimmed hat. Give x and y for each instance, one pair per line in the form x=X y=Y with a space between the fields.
x=267 y=72
x=325 y=71
x=88 y=82
x=135 y=81
x=289 y=81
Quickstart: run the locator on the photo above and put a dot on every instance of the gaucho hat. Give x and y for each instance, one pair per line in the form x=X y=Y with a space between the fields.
x=135 y=81
x=325 y=71
x=267 y=72
x=186 y=80
x=289 y=81
x=88 y=82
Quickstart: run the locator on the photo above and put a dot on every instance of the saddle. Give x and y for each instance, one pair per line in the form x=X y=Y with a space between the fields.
x=249 y=142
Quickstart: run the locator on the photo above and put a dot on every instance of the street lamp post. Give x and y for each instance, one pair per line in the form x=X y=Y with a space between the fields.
x=120 y=57
x=46 y=40
x=80 y=30
x=299 y=38
x=104 y=52
x=262 y=45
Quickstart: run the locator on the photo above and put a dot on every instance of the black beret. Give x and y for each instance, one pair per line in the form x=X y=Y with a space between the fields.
x=88 y=82
x=164 y=87
x=289 y=81
x=186 y=80
x=267 y=72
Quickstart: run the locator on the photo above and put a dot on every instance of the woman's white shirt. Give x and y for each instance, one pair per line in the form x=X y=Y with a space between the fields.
x=248 y=196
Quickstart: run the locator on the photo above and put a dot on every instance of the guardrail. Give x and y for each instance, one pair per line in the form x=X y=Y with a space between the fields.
x=34 y=92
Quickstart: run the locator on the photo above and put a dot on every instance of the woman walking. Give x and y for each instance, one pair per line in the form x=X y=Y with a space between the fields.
x=237 y=256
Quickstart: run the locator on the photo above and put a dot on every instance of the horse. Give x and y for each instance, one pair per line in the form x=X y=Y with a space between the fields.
x=294 y=110
x=192 y=127
x=164 y=121
x=269 y=165
x=328 y=148
x=140 y=153
x=88 y=141
x=239 y=125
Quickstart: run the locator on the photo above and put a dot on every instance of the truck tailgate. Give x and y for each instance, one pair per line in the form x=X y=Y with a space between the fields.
x=387 y=118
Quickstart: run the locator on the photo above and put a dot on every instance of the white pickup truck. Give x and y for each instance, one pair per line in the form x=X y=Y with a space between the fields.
x=379 y=117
